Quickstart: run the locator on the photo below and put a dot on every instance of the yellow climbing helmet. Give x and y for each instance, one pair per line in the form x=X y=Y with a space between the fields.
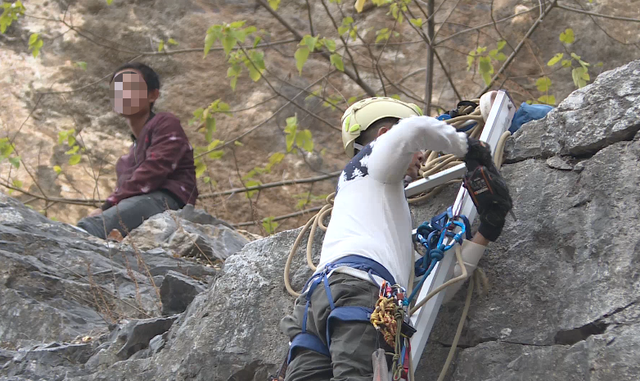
x=362 y=114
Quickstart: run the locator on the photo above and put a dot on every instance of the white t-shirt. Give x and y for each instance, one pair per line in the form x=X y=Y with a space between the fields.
x=371 y=215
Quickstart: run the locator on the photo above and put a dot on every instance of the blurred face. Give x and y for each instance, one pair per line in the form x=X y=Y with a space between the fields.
x=129 y=93
x=414 y=168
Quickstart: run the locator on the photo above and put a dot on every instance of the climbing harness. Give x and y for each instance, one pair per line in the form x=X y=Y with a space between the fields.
x=306 y=340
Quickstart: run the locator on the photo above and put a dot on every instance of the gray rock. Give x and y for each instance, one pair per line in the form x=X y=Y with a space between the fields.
x=177 y=292
x=187 y=233
x=591 y=118
x=557 y=162
x=138 y=333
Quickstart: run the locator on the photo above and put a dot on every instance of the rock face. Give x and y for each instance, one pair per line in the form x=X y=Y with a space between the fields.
x=62 y=292
x=563 y=303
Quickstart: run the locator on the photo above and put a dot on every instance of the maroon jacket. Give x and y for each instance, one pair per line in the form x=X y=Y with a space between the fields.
x=161 y=158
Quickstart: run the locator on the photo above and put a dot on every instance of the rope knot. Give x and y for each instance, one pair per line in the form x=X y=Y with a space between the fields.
x=436 y=254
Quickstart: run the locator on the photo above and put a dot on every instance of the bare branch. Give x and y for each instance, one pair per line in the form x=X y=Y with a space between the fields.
x=279 y=218
x=228 y=142
x=520 y=45
x=484 y=25
x=597 y=14
x=298 y=36
x=272 y=185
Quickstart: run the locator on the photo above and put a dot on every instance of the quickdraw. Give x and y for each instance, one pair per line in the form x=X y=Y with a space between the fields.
x=383 y=317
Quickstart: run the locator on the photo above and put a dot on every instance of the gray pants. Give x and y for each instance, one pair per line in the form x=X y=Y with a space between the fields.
x=128 y=214
x=352 y=343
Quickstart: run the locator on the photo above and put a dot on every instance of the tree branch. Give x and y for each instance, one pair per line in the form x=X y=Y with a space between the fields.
x=484 y=26
x=597 y=14
x=519 y=46
x=279 y=218
x=298 y=36
x=272 y=185
x=266 y=120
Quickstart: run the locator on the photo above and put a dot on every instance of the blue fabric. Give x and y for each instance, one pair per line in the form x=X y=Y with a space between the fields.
x=527 y=113
x=307 y=341
x=348 y=313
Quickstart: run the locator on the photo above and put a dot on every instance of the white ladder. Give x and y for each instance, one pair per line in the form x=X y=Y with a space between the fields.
x=499 y=121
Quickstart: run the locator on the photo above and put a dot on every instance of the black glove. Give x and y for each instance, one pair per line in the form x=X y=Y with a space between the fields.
x=479 y=154
x=490 y=195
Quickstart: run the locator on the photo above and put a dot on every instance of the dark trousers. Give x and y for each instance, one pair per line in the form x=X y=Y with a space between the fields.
x=352 y=343
x=129 y=213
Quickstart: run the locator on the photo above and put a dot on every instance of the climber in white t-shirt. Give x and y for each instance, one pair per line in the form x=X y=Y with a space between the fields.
x=371 y=220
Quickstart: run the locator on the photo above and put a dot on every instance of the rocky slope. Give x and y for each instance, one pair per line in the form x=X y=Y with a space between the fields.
x=563 y=303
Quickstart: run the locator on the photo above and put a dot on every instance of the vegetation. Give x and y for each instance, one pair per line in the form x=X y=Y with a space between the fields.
x=351 y=50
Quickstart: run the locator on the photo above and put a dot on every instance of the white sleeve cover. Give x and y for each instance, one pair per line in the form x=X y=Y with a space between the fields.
x=471 y=254
x=393 y=151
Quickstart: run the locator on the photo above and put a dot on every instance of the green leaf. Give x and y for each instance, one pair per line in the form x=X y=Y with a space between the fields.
x=57 y=169
x=330 y=44
x=274 y=159
x=485 y=68
x=173 y=42
x=35 y=43
x=75 y=159
x=501 y=56
x=217 y=154
x=470 y=59
x=547 y=99
x=567 y=36
x=233 y=83
x=501 y=44
x=269 y=225
x=543 y=84
x=249 y=184
x=206 y=179
x=210 y=128
x=161 y=46
x=82 y=65
x=238 y=143
x=302 y=54
x=228 y=43
x=599 y=64
x=304 y=140
x=214 y=33
x=566 y=63
x=383 y=34
x=109 y=2
x=310 y=42
x=237 y=24
x=73 y=150
x=274 y=4
x=291 y=130
x=352 y=100
x=336 y=60
x=17 y=183
x=575 y=56
x=214 y=144
x=580 y=76
x=200 y=168
x=15 y=161
x=416 y=22
x=555 y=59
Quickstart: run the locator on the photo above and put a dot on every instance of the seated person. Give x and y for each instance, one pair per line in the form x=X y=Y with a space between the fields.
x=158 y=173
